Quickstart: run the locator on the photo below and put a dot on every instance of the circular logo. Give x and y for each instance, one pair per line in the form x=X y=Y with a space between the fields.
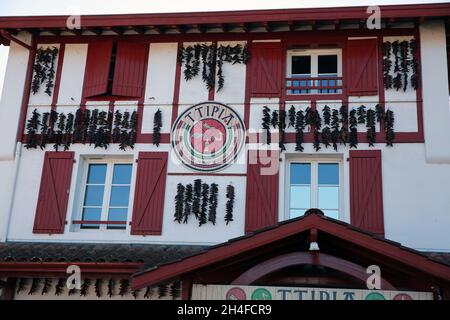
x=402 y=296
x=208 y=136
x=236 y=294
x=375 y=296
x=261 y=294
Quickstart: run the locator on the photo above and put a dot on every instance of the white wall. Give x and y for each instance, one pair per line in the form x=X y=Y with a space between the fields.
x=436 y=112
x=415 y=191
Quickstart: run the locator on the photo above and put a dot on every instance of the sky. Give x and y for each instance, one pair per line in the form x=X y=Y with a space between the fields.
x=68 y=7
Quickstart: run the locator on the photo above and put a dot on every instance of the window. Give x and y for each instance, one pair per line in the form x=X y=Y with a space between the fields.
x=314 y=184
x=106 y=194
x=320 y=70
x=115 y=69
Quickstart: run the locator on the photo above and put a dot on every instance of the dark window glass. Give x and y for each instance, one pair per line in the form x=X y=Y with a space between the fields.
x=327 y=64
x=301 y=65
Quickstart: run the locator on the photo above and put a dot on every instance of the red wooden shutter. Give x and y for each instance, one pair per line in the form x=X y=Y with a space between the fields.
x=261 y=209
x=97 y=68
x=266 y=70
x=129 y=70
x=54 y=192
x=366 y=190
x=149 y=193
x=362 y=72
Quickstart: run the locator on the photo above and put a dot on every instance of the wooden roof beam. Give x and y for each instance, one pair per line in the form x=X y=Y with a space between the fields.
x=97 y=31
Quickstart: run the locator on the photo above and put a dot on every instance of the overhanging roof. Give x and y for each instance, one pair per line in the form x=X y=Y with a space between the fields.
x=222 y=21
x=259 y=240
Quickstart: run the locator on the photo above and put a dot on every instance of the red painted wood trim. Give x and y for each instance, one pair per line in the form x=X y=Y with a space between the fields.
x=405 y=257
x=51 y=208
x=186 y=288
x=295 y=36
x=305 y=14
x=305 y=258
x=212 y=90
x=419 y=91
x=247 y=98
x=176 y=88
x=141 y=100
x=26 y=91
x=366 y=190
x=55 y=97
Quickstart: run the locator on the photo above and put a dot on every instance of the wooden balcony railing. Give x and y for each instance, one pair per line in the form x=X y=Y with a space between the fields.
x=314 y=85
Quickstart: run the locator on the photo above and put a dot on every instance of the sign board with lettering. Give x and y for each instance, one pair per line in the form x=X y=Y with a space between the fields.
x=230 y=292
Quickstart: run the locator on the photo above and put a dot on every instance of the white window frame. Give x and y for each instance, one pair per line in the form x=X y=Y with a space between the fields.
x=110 y=162
x=314 y=54
x=314 y=161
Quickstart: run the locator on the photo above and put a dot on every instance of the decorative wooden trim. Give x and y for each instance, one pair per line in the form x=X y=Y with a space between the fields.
x=176 y=89
x=26 y=91
x=392 y=251
x=223 y=17
x=305 y=258
x=55 y=97
x=141 y=100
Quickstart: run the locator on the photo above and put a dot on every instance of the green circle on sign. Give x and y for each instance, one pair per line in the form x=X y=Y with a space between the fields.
x=261 y=294
x=375 y=296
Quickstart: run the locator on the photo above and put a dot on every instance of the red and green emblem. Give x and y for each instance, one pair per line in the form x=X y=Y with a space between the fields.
x=208 y=136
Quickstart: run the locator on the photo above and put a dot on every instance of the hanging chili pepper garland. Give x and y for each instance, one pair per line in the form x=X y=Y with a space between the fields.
x=340 y=126
x=266 y=121
x=32 y=127
x=353 y=139
x=157 y=124
x=396 y=73
x=282 y=128
x=292 y=116
x=196 y=202
x=179 y=198
x=213 y=199
x=212 y=59
x=59 y=288
x=44 y=69
x=96 y=127
x=230 y=204
x=203 y=217
x=299 y=128
x=188 y=197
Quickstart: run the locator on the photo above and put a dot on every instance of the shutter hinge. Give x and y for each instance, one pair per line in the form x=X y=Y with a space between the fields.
x=65 y=222
x=130 y=223
x=348 y=159
x=74 y=161
x=137 y=160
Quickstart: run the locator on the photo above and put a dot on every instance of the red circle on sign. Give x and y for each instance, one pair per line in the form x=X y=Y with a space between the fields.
x=236 y=294
x=208 y=136
x=403 y=296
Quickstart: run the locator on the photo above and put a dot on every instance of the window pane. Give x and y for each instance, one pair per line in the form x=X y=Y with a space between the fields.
x=301 y=65
x=328 y=197
x=329 y=173
x=122 y=174
x=96 y=174
x=119 y=196
x=327 y=64
x=300 y=173
x=91 y=214
x=332 y=214
x=296 y=213
x=117 y=214
x=94 y=196
x=300 y=197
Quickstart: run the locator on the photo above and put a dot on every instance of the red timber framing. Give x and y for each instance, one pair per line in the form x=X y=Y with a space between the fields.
x=314 y=38
x=252 y=259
